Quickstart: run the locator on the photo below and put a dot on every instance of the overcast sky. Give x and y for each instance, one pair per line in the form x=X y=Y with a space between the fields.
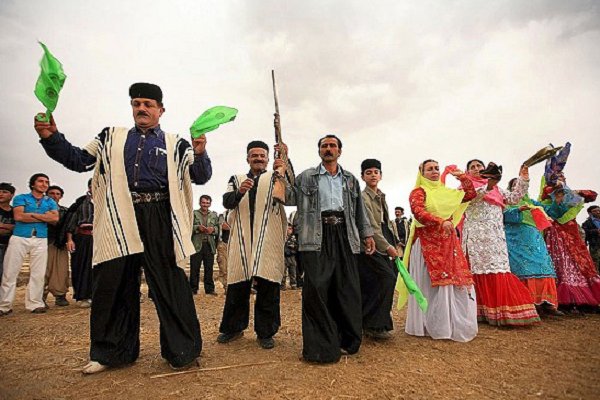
x=395 y=80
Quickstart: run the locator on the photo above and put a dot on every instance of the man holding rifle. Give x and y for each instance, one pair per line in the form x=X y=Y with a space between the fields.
x=255 y=251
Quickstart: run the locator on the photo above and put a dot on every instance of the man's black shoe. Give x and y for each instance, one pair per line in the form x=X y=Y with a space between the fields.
x=266 y=343
x=229 y=337
x=193 y=363
x=61 y=301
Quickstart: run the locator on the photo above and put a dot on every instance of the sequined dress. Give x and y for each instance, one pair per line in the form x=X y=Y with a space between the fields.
x=529 y=258
x=578 y=282
x=502 y=299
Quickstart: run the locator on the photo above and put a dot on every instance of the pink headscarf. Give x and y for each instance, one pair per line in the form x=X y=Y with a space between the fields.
x=493 y=197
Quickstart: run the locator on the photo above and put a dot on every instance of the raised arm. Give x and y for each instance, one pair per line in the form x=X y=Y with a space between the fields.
x=467 y=187
x=59 y=149
x=201 y=168
x=199 y=162
x=588 y=195
x=520 y=189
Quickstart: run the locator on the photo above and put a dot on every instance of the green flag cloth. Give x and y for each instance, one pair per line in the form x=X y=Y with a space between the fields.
x=50 y=82
x=407 y=284
x=211 y=119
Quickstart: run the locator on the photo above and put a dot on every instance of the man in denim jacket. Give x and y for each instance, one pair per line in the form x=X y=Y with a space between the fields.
x=331 y=223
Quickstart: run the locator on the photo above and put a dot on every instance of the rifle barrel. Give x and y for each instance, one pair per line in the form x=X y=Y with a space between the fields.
x=275 y=91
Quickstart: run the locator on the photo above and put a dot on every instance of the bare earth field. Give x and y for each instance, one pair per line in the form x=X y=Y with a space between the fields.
x=40 y=357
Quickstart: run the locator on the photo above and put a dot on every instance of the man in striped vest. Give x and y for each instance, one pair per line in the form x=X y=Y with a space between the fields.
x=255 y=252
x=143 y=205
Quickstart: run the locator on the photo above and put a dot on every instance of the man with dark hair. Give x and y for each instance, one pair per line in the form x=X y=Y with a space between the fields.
x=401 y=230
x=57 y=269
x=7 y=220
x=255 y=251
x=32 y=212
x=332 y=222
x=204 y=235
x=143 y=205
x=591 y=226
x=339 y=141
x=80 y=243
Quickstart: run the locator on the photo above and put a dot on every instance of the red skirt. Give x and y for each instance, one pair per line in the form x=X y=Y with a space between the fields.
x=543 y=290
x=503 y=300
x=576 y=279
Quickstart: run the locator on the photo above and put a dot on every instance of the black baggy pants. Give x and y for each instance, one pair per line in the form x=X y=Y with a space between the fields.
x=81 y=267
x=115 y=314
x=236 y=312
x=331 y=303
x=377 y=284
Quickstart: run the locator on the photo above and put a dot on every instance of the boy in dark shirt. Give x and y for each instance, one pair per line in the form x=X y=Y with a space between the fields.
x=7 y=221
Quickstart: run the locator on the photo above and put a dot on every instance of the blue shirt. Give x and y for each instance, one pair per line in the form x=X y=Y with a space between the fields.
x=330 y=190
x=146 y=160
x=32 y=205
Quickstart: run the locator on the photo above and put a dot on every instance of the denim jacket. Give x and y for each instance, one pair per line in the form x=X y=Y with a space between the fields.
x=305 y=195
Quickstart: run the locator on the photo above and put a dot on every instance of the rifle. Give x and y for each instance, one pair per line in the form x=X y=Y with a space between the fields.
x=282 y=153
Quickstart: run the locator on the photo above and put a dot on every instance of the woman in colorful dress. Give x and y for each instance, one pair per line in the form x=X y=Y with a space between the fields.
x=437 y=262
x=578 y=283
x=502 y=299
x=527 y=253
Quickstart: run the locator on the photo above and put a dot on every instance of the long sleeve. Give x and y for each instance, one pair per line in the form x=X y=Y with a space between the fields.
x=232 y=197
x=201 y=169
x=417 y=206
x=291 y=193
x=71 y=222
x=214 y=223
x=591 y=232
x=588 y=195
x=380 y=241
x=362 y=221
x=196 y=224
x=59 y=149
x=556 y=210
x=468 y=188
x=519 y=191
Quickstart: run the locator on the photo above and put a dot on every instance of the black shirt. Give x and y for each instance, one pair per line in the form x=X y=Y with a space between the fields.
x=54 y=229
x=6 y=217
x=232 y=199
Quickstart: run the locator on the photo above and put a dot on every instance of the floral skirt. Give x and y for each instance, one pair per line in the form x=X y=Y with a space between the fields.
x=503 y=300
x=572 y=285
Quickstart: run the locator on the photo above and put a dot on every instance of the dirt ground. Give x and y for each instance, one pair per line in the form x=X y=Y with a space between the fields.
x=40 y=358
